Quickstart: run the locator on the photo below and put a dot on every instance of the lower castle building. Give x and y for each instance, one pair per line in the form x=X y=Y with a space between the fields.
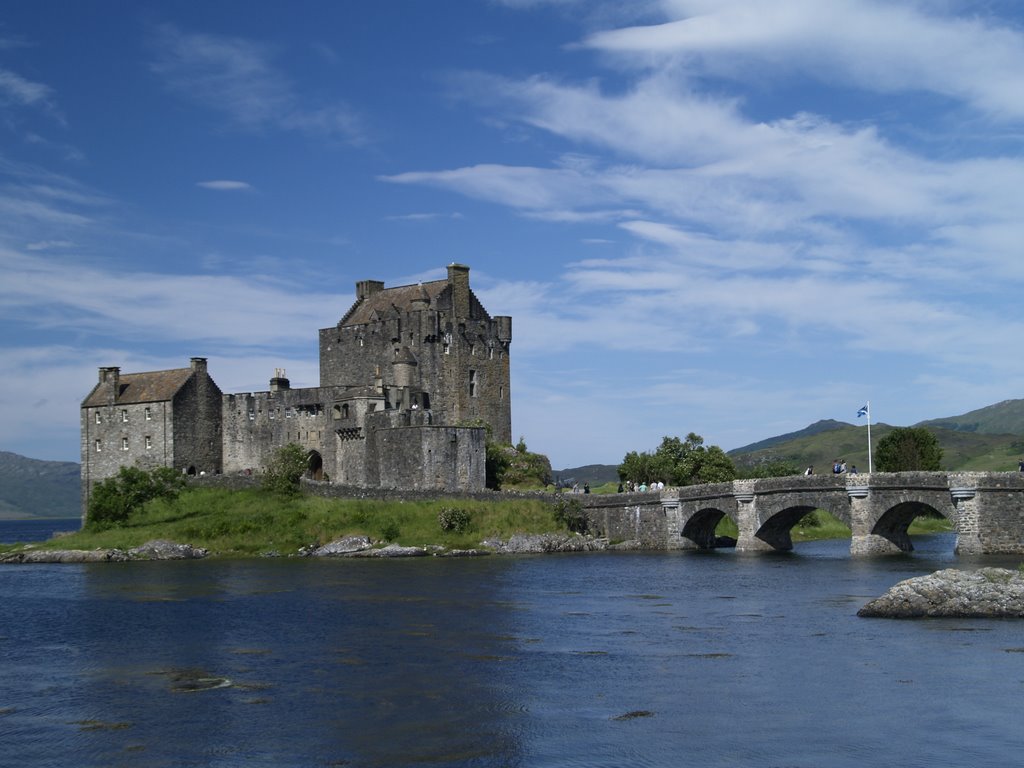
x=409 y=376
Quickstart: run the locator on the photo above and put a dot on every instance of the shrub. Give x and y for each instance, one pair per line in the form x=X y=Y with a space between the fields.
x=569 y=512
x=285 y=470
x=390 y=530
x=454 y=519
x=115 y=499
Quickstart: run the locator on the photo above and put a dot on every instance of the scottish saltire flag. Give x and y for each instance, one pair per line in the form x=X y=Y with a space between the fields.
x=862 y=412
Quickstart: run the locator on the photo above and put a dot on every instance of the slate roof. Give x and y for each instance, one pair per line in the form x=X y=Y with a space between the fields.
x=399 y=298
x=150 y=387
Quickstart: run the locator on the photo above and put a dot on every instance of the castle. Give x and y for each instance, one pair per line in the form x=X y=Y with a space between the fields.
x=408 y=376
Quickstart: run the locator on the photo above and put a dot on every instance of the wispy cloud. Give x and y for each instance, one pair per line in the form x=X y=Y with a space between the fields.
x=423 y=216
x=877 y=46
x=237 y=78
x=224 y=185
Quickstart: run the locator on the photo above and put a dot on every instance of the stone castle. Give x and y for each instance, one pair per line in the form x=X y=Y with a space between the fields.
x=408 y=376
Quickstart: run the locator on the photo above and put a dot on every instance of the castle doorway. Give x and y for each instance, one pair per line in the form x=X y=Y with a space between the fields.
x=315 y=466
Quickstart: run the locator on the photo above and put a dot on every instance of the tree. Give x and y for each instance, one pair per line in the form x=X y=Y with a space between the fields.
x=679 y=462
x=906 y=449
x=773 y=468
x=285 y=470
x=115 y=499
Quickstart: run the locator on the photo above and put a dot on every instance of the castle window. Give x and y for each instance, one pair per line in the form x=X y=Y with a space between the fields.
x=472 y=383
x=501 y=393
x=99 y=419
x=149 y=442
x=252 y=415
x=271 y=413
x=472 y=350
x=99 y=445
x=149 y=414
x=124 y=414
x=124 y=443
x=490 y=353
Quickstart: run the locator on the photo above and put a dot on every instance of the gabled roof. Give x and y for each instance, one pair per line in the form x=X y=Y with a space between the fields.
x=386 y=301
x=150 y=387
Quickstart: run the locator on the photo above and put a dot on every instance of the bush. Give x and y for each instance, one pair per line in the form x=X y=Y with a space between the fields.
x=285 y=470
x=390 y=530
x=569 y=512
x=115 y=499
x=454 y=519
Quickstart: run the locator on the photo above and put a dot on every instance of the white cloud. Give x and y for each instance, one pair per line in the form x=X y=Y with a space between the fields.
x=25 y=92
x=253 y=311
x=224 y=185
x=876 y=46
x=237 y=77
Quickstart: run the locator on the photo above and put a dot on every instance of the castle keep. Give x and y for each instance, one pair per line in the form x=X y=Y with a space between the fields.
x=407 y=377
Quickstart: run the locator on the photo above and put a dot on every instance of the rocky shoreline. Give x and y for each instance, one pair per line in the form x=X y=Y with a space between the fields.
x=348 y=546
x=990 y=593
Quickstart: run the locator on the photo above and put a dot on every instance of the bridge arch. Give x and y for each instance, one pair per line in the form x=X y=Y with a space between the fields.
x=701 y=525
x=894 y=522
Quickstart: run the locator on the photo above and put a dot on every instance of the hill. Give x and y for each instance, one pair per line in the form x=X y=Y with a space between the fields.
x=34 y=488
x=825 y=425
x=967 y=451
x=1005 y=418
x=989 y=438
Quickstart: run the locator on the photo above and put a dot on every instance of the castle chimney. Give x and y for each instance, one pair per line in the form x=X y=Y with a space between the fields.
x=110 y=378
x=458 y=279
x=366 y=288
x=199 y=364
x=280 y=381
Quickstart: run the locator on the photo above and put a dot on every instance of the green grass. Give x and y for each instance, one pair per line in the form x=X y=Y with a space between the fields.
x=245 y=523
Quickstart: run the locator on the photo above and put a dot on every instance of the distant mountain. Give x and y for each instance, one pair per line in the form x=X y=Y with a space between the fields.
x=1005 y=418
x=595 y=474
x=987 y=439
x=34 y=488
x=961 y=450
x=825 y=425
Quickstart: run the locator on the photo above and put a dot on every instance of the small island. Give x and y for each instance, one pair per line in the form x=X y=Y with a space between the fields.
x=991 y=593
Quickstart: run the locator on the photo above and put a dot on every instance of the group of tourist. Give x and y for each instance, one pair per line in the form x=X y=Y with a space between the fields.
x=631 y=487
x=838 y=468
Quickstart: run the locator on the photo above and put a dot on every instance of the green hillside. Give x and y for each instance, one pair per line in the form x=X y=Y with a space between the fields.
x=34 y=488
x=961 y=450
x=1005 y=418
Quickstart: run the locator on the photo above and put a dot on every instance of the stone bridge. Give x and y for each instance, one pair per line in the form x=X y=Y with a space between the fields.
x=986 y=510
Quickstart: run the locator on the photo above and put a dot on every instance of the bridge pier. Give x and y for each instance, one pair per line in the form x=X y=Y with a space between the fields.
x=968 y=514
x=749 y=523
x=986 y=509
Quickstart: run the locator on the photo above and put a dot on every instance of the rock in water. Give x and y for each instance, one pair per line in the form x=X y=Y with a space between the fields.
x=985 y=593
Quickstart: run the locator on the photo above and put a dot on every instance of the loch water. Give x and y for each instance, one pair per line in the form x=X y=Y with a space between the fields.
x=627 y=659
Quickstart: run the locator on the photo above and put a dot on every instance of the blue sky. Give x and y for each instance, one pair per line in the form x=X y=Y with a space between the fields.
x=730 y=217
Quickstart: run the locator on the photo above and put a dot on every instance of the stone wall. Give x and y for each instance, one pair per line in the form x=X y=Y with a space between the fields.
x=626 y=517
x=196 y=419
x=257 y=424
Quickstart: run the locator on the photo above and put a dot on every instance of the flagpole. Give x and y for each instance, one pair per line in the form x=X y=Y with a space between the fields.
x=871 y=466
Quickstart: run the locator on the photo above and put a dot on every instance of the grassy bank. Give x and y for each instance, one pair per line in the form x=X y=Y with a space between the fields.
x=245 y=523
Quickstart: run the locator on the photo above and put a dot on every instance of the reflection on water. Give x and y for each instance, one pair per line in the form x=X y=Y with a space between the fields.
x=609 y=659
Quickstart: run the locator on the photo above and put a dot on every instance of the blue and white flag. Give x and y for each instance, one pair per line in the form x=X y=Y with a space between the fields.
x=862 y=412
